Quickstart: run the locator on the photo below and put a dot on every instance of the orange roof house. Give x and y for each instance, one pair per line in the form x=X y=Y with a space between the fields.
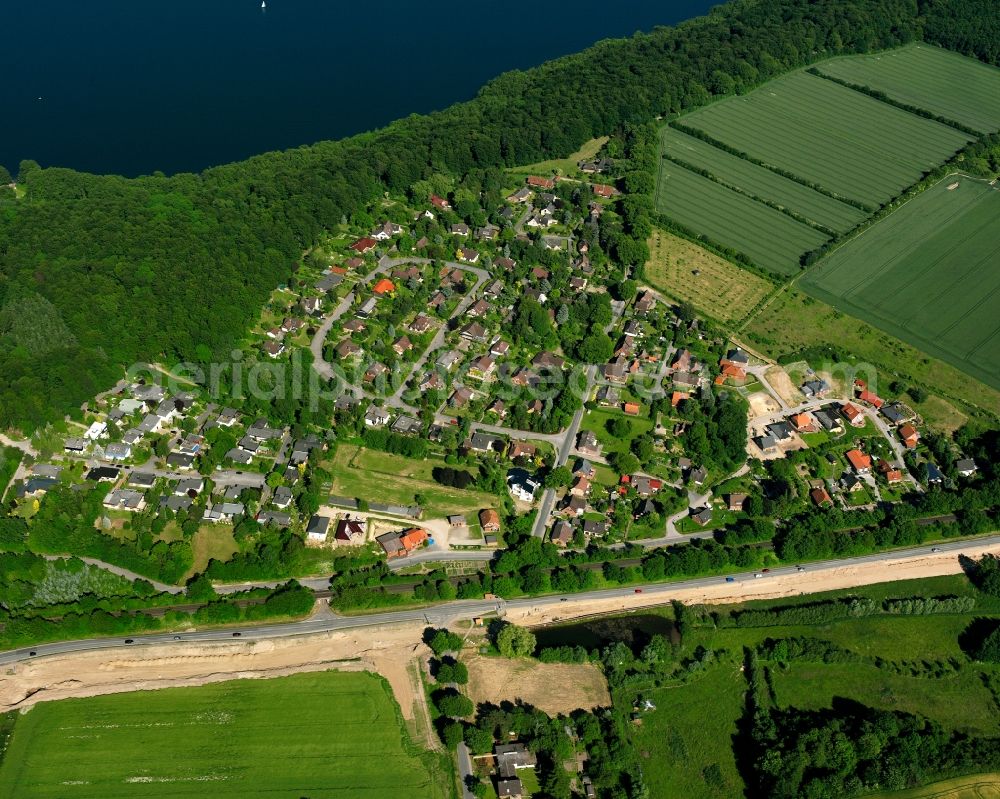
x=803 y=423
x=820 y=497
x=489 y=520
x=871 y=398
x=541 y=183
x=910 y=435
x=631 y=408
x=677 y=397
x=364 y=245
x=413 y=538
x=853 y=414
x=860 y=462
x=384 y=286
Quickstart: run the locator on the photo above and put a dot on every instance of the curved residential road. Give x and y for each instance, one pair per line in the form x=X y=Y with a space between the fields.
x=385 y=263
x=449 y=612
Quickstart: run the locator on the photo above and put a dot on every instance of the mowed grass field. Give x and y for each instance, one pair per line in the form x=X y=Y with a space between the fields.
x=757 y=181
x=690 y=731
x=850 y=144
x=928 y=273
x=772 y=239
x=720 y=290
x=945 y=83
x=329 y=734
x=383 y=477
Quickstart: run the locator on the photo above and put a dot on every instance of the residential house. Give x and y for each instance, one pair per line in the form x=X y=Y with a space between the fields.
x=350 y=531
x=406 y=425
x=645 y=303
x=273 y=348
x=562 y=533
x=803 y=423
x=125 y=499
x=853 y=414
x=459 y=229
x=318 y=528
x=374 y=372
x=966 y=467
x=821 y=497
x=828 y=421
x=538 y=182
x=383 y=287
x=376 y=417
x=274 y=517
x=440 y=202
x=698 y=476
x=588 y=444
x=909 y=435
x=282 y=497
x=367 y=309
x=893 y=413
x=702 y=516
x=605 y=191
x=460 y=397
x=474 y=332
x=522 y=485
x=117 y=451
x=402 y=345
x=421 y=324
x=608 y=396
x=814 y=389
x=736 y=502
x=223 y=512
x=180 y=460
x=860 y=462
x=103 y=474
x=365 y=245
x=485 y=442
x=311 y=306
x=489 y=520
x=521 y=449
x=631 y=408
x=595 y=528
x=346 y=349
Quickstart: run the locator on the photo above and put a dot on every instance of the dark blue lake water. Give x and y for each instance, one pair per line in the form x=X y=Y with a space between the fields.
x=133 y=86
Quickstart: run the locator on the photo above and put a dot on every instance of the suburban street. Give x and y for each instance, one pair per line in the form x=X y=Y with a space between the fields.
x=462 y=610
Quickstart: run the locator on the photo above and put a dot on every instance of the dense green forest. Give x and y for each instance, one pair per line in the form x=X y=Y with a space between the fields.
x=97 y=272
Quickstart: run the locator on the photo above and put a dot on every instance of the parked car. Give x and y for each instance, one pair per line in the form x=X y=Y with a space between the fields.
x=237 y=635
x=757 y=575
x=638 y=590
x=129 y=641
x=730 y=579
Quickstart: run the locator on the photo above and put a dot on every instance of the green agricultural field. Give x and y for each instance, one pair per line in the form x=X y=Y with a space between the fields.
x=850 y=144
x=976 y=786
x=327 y=734
x=759 y=182
x=924 y=76
x=773 y=240
x=928 y=273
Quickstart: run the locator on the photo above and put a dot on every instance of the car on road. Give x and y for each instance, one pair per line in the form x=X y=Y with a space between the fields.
x=730 y=579
x=935 y=549
x=563 y=599
x=129 y=641
x=757 y=575
x=765 y=571
x=638 y=590
x=177 y=638
x=32 y=653
x=800 y=568
x=237 y=635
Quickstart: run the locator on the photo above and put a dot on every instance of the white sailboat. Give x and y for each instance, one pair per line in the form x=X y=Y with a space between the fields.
x=263 y=4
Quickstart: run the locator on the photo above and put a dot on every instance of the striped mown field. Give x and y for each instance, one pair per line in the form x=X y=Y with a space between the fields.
x=758 y=182
x=929 y=273
x=769 y=237
x=850 y=144
x=330 y=734
x=923 y=76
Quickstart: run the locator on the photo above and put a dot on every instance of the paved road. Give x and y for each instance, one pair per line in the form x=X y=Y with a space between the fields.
x=464 y=769
x=450 y=612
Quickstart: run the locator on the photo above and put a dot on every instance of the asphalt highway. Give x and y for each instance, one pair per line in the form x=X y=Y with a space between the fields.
x=467 y=609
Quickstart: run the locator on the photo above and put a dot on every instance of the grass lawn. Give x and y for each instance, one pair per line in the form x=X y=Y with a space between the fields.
x=597 y=420
x=383 y=477
x=721 y=290
x=794 y=321
x=212 y=541
x=327 y=734
x=690 y=730
x=565 y=166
